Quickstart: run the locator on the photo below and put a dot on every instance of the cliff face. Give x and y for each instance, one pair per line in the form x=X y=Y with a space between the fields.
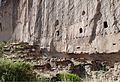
x=72 y=26
x=5 y=19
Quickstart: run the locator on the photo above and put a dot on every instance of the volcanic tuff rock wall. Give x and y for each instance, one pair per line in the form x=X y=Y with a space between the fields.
x=72 y=26
x=5 y=19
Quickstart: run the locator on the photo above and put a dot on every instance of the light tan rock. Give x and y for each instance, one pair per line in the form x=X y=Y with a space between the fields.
x=72 y=26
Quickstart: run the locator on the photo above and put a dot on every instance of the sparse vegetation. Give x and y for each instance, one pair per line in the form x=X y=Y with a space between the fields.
x=43 y=78
x=65 y=76
x=2 y=44
x=16 y=71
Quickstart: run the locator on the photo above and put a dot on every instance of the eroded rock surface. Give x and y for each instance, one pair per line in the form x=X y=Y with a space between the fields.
x=71 y=26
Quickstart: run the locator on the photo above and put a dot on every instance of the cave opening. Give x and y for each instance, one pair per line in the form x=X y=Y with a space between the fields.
x=58 y=33
x=105 y=24
x=78 y=47
x=83 y=12
x=56 y=22
x=80 y=30
x=114 y=43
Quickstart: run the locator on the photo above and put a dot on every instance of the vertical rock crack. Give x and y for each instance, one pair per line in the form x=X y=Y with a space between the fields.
x=95 y=19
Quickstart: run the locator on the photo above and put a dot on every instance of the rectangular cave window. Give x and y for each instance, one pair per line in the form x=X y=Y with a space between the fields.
x=78 y=47
x=114 y=43
x=105 y=24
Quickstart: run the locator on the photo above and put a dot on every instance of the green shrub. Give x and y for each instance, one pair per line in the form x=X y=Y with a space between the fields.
x=65 y=76
x=2 y=44
x=16 y=71
x=42 y=78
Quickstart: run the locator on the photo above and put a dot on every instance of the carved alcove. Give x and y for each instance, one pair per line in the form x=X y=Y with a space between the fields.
x=56 y=23
x=58 y=33
x=105 y=24
x=80 y=30
x=83 y=12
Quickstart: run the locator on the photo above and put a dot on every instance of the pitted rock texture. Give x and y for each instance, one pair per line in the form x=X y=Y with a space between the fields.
x=71 y=26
